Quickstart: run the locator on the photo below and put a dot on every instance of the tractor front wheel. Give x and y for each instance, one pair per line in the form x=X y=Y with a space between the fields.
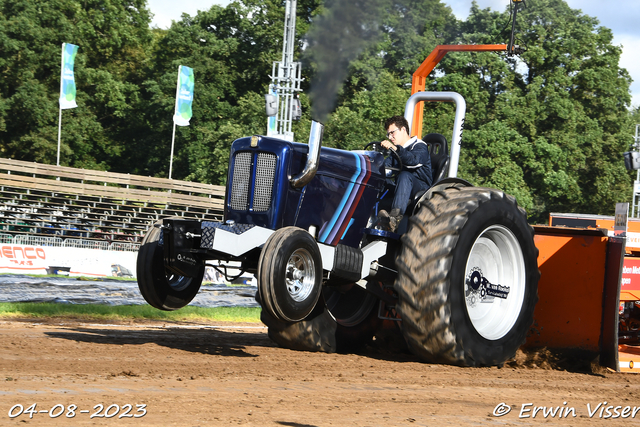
x=160 y=287
x=290 y=274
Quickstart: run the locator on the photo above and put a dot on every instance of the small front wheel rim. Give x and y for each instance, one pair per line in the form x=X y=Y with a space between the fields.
x=300 y=275
x=178 y=283
x=495 y=282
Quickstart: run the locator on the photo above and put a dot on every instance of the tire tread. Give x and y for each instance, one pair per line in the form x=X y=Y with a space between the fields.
x=423 y=282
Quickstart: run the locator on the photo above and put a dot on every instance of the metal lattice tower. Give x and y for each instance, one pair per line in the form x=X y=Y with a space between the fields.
x=635 y=207
x=285 y=79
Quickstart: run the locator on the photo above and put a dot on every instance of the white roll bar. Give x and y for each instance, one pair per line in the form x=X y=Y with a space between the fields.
x=458 y=123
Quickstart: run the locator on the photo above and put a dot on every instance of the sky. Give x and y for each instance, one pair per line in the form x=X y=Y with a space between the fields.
x=621 y=16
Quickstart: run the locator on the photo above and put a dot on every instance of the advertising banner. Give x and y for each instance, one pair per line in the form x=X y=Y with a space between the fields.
x=27 y=259
x=630 y=286
x=184 y=96
x=67 y=82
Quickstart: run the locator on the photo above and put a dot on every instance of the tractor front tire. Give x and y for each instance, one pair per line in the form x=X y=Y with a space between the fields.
x=290 y=274
x=160 y=287
x=467 y=277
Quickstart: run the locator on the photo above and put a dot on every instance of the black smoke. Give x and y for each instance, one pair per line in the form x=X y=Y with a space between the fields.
x=336 y=38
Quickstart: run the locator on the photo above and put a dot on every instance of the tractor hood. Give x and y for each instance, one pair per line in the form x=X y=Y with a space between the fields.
x=338 y=197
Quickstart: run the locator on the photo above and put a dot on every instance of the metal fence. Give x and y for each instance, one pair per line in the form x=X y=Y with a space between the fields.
x=27 y=240
x=124 y=246
x=24 y=239
x=85 y=244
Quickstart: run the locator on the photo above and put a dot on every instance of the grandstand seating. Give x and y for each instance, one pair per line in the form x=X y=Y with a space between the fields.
x=58 y=201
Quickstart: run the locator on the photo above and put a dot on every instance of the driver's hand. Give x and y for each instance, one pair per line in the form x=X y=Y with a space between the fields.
x=388 y=145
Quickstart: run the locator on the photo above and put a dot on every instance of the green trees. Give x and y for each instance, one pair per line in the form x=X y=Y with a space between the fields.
x=112 y=35
x=379 y=80
x=231 y=51
x=561 y=111
x=549 y=127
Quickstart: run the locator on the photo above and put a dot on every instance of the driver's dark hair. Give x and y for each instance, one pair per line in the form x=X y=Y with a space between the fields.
x=399 y=121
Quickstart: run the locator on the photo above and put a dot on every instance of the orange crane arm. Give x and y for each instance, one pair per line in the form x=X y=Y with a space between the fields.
x=419 y=79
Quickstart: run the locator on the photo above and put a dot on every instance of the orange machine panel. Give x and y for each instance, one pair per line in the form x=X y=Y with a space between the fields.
x=579 y=290
x=569 y=310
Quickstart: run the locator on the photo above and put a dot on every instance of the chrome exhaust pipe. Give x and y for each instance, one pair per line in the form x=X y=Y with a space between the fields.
x=313 y=158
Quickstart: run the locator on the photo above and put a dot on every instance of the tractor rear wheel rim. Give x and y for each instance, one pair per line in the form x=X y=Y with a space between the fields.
x=495 y=282
x=300 y=275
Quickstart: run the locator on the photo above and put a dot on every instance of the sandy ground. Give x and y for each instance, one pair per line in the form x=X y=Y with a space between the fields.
x=232 y=374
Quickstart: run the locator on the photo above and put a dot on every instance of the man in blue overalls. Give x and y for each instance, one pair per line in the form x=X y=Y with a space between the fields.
x=416 y=169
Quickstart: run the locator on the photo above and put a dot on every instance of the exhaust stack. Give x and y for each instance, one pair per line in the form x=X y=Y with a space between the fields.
x=310 y=169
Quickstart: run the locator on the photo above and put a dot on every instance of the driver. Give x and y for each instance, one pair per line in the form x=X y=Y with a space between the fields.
x=416 y=169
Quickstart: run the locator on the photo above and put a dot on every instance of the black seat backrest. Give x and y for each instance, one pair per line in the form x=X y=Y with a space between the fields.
x=439 y=151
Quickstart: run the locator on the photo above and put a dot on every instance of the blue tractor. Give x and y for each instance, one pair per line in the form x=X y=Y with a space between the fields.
x=459 y=277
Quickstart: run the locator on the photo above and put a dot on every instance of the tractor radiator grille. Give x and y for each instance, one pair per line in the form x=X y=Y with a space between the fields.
x=241 y=180
x=265 y=171
x=252 y=181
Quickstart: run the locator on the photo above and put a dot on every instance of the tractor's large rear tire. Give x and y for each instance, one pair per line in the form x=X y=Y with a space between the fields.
x=467 y=277
x=344 y=321
x=160 y=287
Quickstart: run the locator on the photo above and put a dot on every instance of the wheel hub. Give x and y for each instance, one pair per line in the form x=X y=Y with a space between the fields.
x=300 y=275
x=176 y=282
x=495 y=282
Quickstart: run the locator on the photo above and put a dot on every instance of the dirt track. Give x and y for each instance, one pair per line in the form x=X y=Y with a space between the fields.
x=187 y=375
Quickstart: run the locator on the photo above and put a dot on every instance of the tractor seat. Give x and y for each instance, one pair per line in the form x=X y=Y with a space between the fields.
x=439 y=152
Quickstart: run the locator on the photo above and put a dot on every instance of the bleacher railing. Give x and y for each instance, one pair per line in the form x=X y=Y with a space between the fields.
x=110 y=185
x=113 y=208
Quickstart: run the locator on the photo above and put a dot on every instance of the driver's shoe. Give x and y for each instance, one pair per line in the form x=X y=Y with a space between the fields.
x=394 y=220
x=382 y=223
x=389 y=221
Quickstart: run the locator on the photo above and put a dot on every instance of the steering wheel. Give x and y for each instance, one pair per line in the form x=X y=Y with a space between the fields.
x=395 y=171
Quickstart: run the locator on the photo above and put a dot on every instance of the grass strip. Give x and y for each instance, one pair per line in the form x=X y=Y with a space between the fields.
x=124 y=312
